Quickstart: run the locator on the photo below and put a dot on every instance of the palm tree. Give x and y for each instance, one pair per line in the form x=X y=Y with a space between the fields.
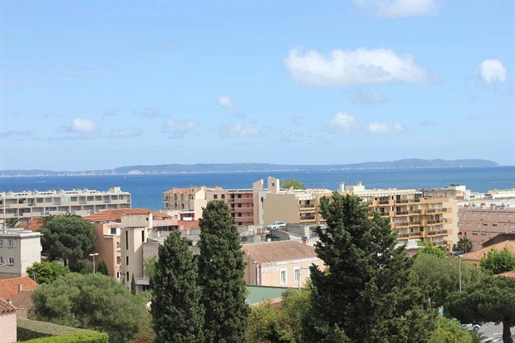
x=13 y=222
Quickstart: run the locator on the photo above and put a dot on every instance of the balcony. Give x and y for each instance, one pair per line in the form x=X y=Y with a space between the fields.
x=401 y=213
x=415 y=235
x=437 y=233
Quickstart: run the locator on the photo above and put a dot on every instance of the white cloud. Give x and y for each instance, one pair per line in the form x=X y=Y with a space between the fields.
x=353 y=67
x=492 y=70
x=365 y=97
x=82 y=128
x=125 y=133
x=148 y=112
x=406 y=8
x=383 y=128
x=178 y=128
x=226 y=103
x=239 y=130
x=346 y=123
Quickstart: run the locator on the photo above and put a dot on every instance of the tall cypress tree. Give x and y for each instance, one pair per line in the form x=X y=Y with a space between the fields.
x=363 y=295
x=176 y=310
x=102 y=268
x=221 y=275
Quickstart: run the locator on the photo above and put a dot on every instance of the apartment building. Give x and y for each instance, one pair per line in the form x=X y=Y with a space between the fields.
x=244 y=204
x=480 y=222
x=454 y=191
x=31 y=204
x=19 y=249
x=411 y=215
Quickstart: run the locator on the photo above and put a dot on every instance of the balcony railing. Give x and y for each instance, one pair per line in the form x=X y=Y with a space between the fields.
x=437 y=233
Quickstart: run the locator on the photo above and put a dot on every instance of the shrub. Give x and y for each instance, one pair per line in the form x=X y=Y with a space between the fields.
x=32 y=329
x=95 y=337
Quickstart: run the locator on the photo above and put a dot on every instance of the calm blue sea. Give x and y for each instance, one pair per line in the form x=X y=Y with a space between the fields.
x=147 y=190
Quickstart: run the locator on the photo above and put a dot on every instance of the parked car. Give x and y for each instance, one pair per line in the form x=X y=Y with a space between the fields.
x=473 y=326
x=276 y=225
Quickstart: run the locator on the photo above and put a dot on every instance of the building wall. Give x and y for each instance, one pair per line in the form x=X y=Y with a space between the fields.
x=480 y=223
x=26 y=251
x=269 y=274
x=280 y=206
x=109 y=247
x=8 y=327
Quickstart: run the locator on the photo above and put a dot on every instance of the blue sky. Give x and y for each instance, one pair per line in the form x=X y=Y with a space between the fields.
x=102 y=84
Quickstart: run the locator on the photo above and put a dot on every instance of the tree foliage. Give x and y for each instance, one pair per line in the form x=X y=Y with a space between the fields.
x=12 y=223
x=221 y=276
x=91 y=301
x=431 y=249
x=133 y=285
x=47 y=271
x=68 y=238
x=464 y=245
x=102 y=268
x=364 y=294
x=450 y=331
x=268 y=324
x=149 y=266
x=296 y=306
x=439 y=277
x=490 y=300
x=176 y=310
x=296 y=184
x=497 y=262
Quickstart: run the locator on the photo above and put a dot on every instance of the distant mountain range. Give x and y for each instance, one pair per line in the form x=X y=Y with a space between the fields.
x=255 y=167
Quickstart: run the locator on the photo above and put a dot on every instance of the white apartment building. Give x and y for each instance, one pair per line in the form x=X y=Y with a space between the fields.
x=33 y=204
x=19 y=249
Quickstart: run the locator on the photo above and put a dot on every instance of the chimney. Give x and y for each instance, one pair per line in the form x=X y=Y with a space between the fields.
x=20 y=288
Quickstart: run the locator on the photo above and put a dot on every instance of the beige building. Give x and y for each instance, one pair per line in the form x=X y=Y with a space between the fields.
x=19 y=249
x=279 y=264
x=454 y=191
x=411 y=215
x=81 y=202
x=7 y=322
x=483 y=221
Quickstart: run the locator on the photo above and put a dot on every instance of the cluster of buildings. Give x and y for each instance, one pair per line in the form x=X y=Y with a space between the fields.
x=127 y=237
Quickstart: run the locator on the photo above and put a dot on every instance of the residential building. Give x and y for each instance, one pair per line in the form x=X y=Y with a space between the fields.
x=475 y=257
x=7 y=322
x=31 y=204
x=483 y=221
x=411 y=215
x=279 y=264
x=18 y=291
x=454 y=191
x=19 y=249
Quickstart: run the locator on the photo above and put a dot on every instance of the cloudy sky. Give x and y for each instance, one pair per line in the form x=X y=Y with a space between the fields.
x=101 y=84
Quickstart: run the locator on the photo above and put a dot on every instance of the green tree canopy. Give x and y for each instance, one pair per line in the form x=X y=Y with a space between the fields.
x=91 y=301
x=463 y=245
x=296 y=306
x=221 y=276
x=363 y=295
x=450 y=331
x=68 y=238
x=296 y=184
x=490 y=300
x=12 y=223
x=268 y=324
x=46 y=271
x=438 y=277
x=497 y=262
x=431 y=249
x=102 y=268
x=177 y=314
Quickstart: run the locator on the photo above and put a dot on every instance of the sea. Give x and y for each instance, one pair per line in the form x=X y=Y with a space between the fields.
x=147 y=190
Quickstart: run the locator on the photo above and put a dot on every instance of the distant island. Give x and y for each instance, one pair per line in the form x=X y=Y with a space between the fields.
x=255 y=167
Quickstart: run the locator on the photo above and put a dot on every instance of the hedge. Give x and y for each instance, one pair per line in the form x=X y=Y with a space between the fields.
x=32 y=329
x=94 y=337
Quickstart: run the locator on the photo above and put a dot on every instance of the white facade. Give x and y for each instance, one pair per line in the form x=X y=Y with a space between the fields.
x=19 y=249
x=33 y=204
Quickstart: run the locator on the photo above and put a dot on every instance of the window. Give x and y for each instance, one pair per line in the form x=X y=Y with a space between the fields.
x=143 y=235
x=127 y=260
x=215 y=196
x=494 y=224
x=1 y=242
x=113 y=231
x=118 y=260
x=1 y=260
x=296 y=275
x=10 y=261
x=127 y=277
x=283 y=277
x=11 y=243
x=126 y=240
x=223 y=196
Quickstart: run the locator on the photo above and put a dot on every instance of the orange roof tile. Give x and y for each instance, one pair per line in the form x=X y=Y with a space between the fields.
x=22 y=300
x=6 y=307
x=508 y=274
x=478 y=254
x=188 y=224
x=9 y=287
x=278 y=251
x=32 y=224
x=114 y=215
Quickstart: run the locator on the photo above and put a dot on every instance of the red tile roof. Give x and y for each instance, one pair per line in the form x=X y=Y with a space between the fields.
x=6 y=307
x=23 y=300
x=9 y=287
x=114 y=215
x=508 y=274
x=278 y=251
x=478 y=254
x=188 y=224
x=32 y=224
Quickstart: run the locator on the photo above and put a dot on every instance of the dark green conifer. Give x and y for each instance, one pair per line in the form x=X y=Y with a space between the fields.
x=102 y=268
x=221 y=276
x=363 y=295
x=176 y=311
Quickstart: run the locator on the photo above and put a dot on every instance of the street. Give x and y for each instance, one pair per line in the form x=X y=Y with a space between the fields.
x=493 y=333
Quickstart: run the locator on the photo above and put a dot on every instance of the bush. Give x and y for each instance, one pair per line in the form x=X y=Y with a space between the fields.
x=32 y=329
x=95 y=337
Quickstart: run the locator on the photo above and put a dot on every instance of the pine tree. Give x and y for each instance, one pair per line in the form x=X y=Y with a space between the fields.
x=221 y=275
x=102 y=268
x=176 y=310
x=363 y=295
